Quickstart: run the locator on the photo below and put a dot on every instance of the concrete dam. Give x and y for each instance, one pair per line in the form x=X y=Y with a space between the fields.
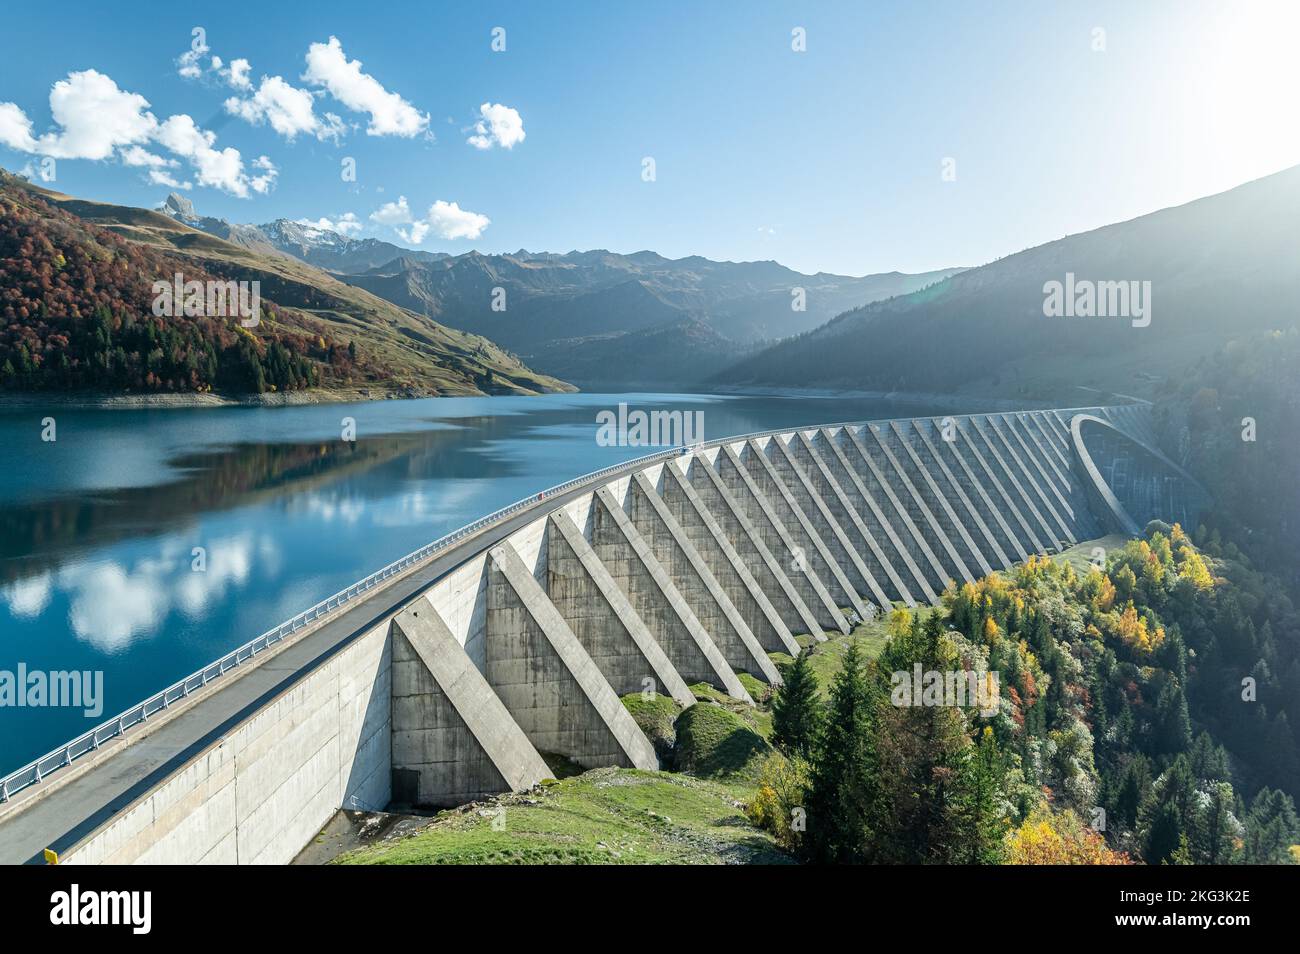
x=456 y=672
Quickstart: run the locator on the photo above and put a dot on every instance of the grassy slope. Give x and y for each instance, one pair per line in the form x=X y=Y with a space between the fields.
x=826 y=656
x=626 y=816
x=423 y=356
x=605 y=816
x=1080 y=555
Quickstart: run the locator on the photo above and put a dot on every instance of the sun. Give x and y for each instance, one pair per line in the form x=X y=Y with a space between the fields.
x=1247 y=85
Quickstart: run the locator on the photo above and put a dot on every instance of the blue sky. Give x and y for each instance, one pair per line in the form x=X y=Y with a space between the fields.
x=829 y=159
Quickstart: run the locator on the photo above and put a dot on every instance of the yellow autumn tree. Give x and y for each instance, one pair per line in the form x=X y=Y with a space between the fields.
x=1104 y=596
x=1133 y=631
x=991 y=632
x=1045 y=838
x=900 y=622
x=1192 y=567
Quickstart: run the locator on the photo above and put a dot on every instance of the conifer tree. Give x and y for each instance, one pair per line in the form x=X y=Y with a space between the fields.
x=842 y=794
x=1173 y=726
x=1271 y=829
x=797 y=710
x=981 y=806
x=1217 y=828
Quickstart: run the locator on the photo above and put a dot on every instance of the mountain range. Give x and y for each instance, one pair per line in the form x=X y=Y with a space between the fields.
x=589 y=317
x=425 y=322
x=322 y=247
x=1211 y=270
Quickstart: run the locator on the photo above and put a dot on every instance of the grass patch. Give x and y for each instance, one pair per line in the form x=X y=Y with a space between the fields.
x=1079 y=556
x=605 y=816
x=656 y=717
x=715 y=742
x=827 y=656
x=782 y=661
x=757 y=689
x=706 y=693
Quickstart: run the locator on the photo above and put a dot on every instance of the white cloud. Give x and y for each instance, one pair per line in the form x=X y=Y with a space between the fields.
x=287 y=108
x=263 y=183
x=219 y=168
x=390 y=115
x=392 y=213
x=187 y=64
x=415 y=234
x=238 y=75
x=139 y=156
x=498 y=126
x=345 y=224
x=448 y=220
x=16 y=128
x=96 y=120
x=158 y=177
x=157 y=165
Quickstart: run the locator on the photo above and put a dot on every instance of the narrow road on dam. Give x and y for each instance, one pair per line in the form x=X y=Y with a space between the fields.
x=128 y=766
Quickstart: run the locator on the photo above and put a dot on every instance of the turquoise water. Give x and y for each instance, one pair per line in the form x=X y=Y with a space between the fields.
x=98 y=528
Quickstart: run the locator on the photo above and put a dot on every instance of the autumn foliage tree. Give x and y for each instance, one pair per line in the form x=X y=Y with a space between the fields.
x=76 y=312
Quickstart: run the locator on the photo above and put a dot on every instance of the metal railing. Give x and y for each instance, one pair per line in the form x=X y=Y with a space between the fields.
x=36 y=771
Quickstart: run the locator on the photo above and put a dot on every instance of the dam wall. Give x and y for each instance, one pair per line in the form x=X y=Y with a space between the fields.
x=264 y=791
x=511 y=654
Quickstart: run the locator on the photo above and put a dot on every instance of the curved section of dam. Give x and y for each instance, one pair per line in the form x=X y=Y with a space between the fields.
x=1130 y=483
x=461 y=672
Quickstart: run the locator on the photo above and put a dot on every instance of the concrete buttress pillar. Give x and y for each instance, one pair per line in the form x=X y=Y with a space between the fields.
x=453 y=741
x=656 y=599
x=547 y=681
x=600 y=615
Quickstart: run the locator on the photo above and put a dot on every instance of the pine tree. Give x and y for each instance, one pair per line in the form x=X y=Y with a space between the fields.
x=1168 y=814
x=842 y=793
x=797 y=710
x=1209 y=761
x=1173 y=726
x=1134 y=786
x=1217 y=828
x=1271 y=829
x=1165 y=837
x=981 y=805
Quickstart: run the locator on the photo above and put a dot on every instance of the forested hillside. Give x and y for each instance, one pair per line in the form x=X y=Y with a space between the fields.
x=1145 y=714
x=76 y=313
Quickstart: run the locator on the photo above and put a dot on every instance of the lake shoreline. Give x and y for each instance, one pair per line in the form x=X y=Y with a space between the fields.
x=108 y=401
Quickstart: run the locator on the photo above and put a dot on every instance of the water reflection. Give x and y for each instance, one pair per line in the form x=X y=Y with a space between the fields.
x=35 y=534
x=98 y=532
